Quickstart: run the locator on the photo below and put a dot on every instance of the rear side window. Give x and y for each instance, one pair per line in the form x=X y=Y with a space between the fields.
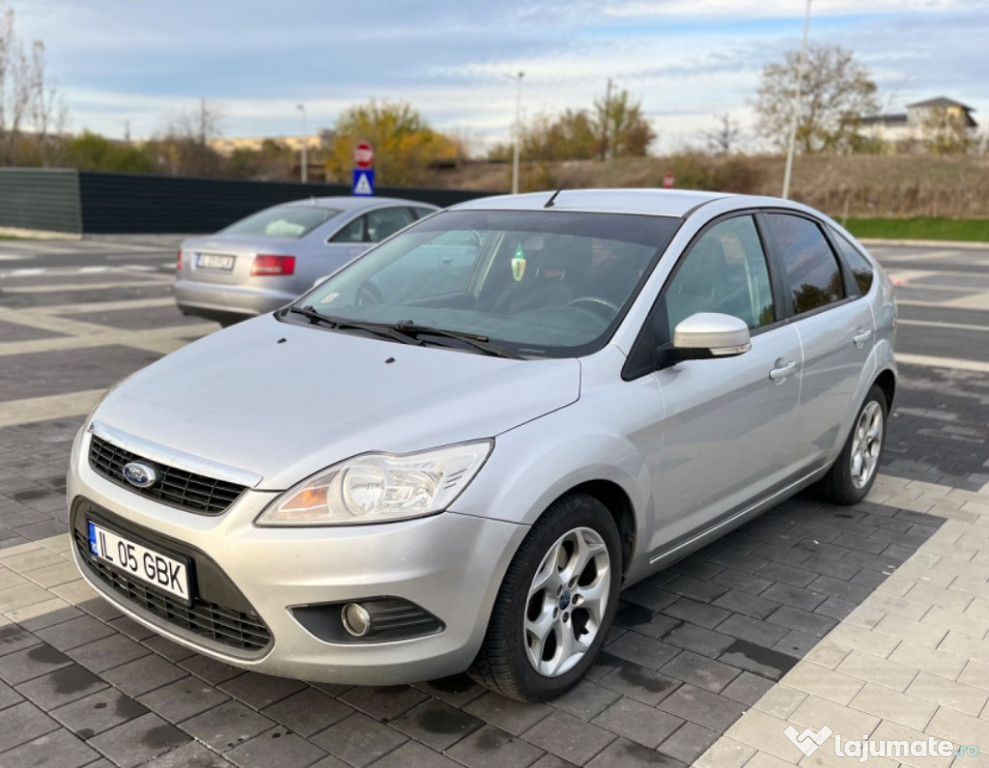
x=811 y=271
x=860 y=266
x=352 y=233
x=386 y=222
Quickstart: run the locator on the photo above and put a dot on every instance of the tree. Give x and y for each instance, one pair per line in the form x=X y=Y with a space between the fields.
x=835 y=91
x=724 y=139
x=30 y=106
x=572 y=135
x=627 y=133
x=947 y=132
x=92 y=152
x=405 y=147
x=183 y=147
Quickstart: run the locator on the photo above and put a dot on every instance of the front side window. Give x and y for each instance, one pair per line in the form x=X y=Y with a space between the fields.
x=282 y=221
x=540 y=283
x=811 y=271
x=725 y=271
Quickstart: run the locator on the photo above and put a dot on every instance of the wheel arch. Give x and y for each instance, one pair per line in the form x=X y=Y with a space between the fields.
x=616 y=501
x=887 y=383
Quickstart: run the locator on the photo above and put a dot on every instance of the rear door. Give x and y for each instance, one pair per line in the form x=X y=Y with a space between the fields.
x=836 y=330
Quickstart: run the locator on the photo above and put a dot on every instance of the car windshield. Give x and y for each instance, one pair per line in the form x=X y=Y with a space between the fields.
x=537 y=283
x=282 y=221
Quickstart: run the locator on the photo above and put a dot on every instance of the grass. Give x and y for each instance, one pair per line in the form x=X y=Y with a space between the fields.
x=921 y=228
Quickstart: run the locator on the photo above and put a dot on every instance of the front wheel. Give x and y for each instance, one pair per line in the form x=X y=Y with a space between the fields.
x=556 y=604
x=853 y=473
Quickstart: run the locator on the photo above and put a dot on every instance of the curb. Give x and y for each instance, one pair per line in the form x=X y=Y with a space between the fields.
x=965 y=244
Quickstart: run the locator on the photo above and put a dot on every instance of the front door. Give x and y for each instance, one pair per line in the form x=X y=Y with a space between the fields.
x=725 y=429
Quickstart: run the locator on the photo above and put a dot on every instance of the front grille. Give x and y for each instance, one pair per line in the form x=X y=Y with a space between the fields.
x=222 y=625
x=177 y=487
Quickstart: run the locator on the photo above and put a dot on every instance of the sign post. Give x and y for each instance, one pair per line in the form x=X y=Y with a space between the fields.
x=363 y=184
x=668 y=181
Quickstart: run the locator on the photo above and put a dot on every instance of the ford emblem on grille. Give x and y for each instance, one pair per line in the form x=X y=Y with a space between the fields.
x=140 y=474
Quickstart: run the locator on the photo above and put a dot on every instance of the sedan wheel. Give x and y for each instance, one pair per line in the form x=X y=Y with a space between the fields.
x=851 y=476
x=567 y=601
x=867 y=442
x=556 y=603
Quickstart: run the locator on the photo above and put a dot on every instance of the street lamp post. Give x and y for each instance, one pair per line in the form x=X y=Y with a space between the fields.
x=517 y=131
x=796 y=108
x=304 y=170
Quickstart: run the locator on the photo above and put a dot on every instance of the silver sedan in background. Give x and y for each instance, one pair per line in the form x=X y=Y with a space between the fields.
x=261 y=263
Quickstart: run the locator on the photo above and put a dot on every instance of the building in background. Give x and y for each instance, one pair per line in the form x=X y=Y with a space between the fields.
x=936 y=125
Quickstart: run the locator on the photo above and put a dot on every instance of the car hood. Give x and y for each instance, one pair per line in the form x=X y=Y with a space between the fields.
x=284 y=401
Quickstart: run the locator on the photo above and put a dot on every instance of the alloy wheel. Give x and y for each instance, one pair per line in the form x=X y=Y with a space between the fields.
x=567 y=601
x=867 y=444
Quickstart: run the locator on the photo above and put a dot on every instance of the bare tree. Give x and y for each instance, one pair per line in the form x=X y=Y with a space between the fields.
x=835 y=92
x=183 y=146
x=31 y=108
x=724 y=139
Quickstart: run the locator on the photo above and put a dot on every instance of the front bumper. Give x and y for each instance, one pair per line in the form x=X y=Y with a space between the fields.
x=450 y=565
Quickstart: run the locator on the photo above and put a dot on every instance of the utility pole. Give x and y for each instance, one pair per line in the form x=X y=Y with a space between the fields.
x=605 y=121
x=304 y=169
x=796 y=108
x=517 y=132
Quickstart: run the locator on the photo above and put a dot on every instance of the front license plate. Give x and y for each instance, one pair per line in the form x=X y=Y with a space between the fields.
x=147 y=565
x=214 y=261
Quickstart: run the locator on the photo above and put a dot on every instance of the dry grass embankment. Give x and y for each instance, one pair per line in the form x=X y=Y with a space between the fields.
x=858 y=186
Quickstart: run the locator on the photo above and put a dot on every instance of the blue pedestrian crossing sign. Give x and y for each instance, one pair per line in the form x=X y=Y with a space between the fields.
x=363 y=182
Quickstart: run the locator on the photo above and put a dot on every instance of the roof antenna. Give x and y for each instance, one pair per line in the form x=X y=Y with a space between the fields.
x=563 y=184
x=549 y=203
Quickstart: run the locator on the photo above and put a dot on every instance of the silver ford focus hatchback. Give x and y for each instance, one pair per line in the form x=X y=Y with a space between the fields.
x=453 y=453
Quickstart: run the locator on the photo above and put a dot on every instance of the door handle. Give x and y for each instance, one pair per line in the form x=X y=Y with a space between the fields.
x=782 y=370
x=861 y=337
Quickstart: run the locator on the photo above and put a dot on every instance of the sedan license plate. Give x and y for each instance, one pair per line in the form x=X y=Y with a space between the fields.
x=147 y=565
x=214 y=261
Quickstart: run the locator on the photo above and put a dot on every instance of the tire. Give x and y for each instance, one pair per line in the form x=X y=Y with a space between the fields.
x=854 y=471
x=514 y=660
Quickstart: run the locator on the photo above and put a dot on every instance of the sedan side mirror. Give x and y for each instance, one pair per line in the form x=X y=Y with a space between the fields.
x=705 y=335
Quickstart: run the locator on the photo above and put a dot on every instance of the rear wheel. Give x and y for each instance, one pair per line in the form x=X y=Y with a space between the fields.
x=556 y=604
x=853 y=473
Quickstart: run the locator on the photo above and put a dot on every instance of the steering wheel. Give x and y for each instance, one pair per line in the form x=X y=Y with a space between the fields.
x=596 y=303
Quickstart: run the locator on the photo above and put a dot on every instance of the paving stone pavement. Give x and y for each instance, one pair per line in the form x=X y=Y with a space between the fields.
x=870 y=620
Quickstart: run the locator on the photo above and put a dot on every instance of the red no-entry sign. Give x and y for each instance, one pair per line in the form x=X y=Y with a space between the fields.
x=363 y=155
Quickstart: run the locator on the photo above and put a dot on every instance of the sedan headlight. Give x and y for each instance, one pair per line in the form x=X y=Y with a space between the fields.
x=380 y=487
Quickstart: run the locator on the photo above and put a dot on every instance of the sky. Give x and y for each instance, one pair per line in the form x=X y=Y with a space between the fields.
x=139 y=63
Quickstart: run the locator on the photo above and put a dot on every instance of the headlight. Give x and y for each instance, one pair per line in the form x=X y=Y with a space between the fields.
x=380 y=487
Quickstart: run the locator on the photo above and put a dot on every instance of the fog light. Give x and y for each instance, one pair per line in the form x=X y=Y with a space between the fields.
x=356 y=619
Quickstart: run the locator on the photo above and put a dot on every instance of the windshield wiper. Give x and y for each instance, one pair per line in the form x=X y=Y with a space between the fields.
x=474 y=340
x=378 y=329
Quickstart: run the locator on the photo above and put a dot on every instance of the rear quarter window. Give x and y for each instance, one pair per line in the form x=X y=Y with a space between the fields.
x=862 y=270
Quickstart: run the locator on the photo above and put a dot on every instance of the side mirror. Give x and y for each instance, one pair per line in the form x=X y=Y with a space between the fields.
x=705 y=335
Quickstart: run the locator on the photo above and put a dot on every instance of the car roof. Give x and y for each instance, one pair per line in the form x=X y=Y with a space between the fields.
x=656 y=202
x=345 y=203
